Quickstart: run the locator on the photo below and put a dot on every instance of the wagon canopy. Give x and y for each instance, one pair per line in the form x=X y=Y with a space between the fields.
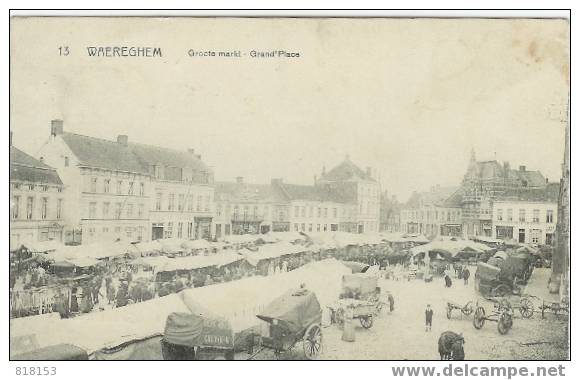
x=190 y=330
x=296 y=310
x=487 y=272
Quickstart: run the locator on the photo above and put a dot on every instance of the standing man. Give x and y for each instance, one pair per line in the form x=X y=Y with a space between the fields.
x=466 y=275
x=428 y=318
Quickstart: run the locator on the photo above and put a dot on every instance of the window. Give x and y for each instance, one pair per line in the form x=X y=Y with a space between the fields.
x=334 y=212
x=66 y=161
x=189 y=230
x=207 y=201
x=59 y=209
x=181 y=202
x=303 y=212
x=310 y=227
x=325 y=227
x=180 y=230
x=198 y=206
x=142 y=189
x=536 y=236
x=106 y=206
x=92 y=210
x=131 y=190
x=190 y=202
x=325 y=214
x=318 y=227
x=318 y=213
x=44 y=208
x=106 y=186
x=255 y=212
x=296 y=227
x=129 y=210
x=549 y=216
x=171 y=202
x=119 y=187
x=296 y=211
x=118 y=210
x=536 y=216
x=510 y=215
x=141 y=210
x=218 y=209
x=499 y=214
x=93 y=188
x=303 y=227
x=169 y=230
x=29 y=207
x=522 y=215
x=158 y=199
x=15 y=207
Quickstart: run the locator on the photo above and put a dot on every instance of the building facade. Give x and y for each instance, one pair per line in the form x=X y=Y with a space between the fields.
x=181 y=192
x=433 y=213
x=530 y=222
x=390 y=220
x=37 y=201
x=107 y=187
x=358 y=187
x=485 y=181
x=245 y=208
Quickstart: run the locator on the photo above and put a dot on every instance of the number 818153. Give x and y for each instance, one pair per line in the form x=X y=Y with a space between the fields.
x=35 y=371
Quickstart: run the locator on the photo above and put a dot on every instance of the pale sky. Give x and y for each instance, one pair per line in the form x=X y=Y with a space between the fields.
x=409 y=98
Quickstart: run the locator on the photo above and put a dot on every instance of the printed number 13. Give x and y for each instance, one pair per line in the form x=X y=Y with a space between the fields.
x=63 y=50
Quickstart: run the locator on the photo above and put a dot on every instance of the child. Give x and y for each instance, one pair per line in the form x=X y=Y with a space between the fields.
x=428 y=318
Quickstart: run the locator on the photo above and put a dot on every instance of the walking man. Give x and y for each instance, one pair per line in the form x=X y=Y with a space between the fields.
x=428 y=318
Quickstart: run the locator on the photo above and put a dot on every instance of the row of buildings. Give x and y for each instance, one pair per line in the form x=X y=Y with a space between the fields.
x=493 y=201
x=81 y=189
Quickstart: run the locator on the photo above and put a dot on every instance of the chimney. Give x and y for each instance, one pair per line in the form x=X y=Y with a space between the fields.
x=240 y=180
x=191 y=151
x=123 y=139
x=522 y=168
x=56 y=127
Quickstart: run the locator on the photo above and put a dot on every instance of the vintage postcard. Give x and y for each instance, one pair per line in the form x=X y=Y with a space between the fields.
x=229 y=188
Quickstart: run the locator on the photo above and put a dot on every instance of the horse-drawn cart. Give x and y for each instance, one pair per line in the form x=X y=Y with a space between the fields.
x=489 y=282
x=502 y=314
x=360 y=294
x=466 y=309
x=293 y=317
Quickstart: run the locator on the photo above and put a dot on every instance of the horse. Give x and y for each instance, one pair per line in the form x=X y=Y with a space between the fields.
x=451 y=346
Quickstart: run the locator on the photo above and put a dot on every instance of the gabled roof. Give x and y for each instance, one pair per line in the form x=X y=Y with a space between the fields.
x=494 y=170
x=151 y=155
x=319 y=193
x=247 y=192
x=25 y=168
x=530 y=178
x=100 y=153
x=441 y=196
x=547 y=194
x=346 y=171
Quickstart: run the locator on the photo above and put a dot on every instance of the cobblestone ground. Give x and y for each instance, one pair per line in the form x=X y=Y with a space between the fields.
x=401 y=335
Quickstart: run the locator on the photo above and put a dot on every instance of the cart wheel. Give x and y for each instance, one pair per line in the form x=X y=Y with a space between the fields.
x=504 y=324
x=366 y=321
x=526 y=308
x=449 y=308
x=312 y=344
x=467 y=309
x=479 y=317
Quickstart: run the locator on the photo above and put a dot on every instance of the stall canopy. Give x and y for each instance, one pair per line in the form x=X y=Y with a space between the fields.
x=172 y=245
x=241 y=239
x=271 y=251
x=197 y=262
x=115 y=326
x=240 y=301
x=43 y=246
x=196 y=244
x=449 y=248
x=149 y=247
